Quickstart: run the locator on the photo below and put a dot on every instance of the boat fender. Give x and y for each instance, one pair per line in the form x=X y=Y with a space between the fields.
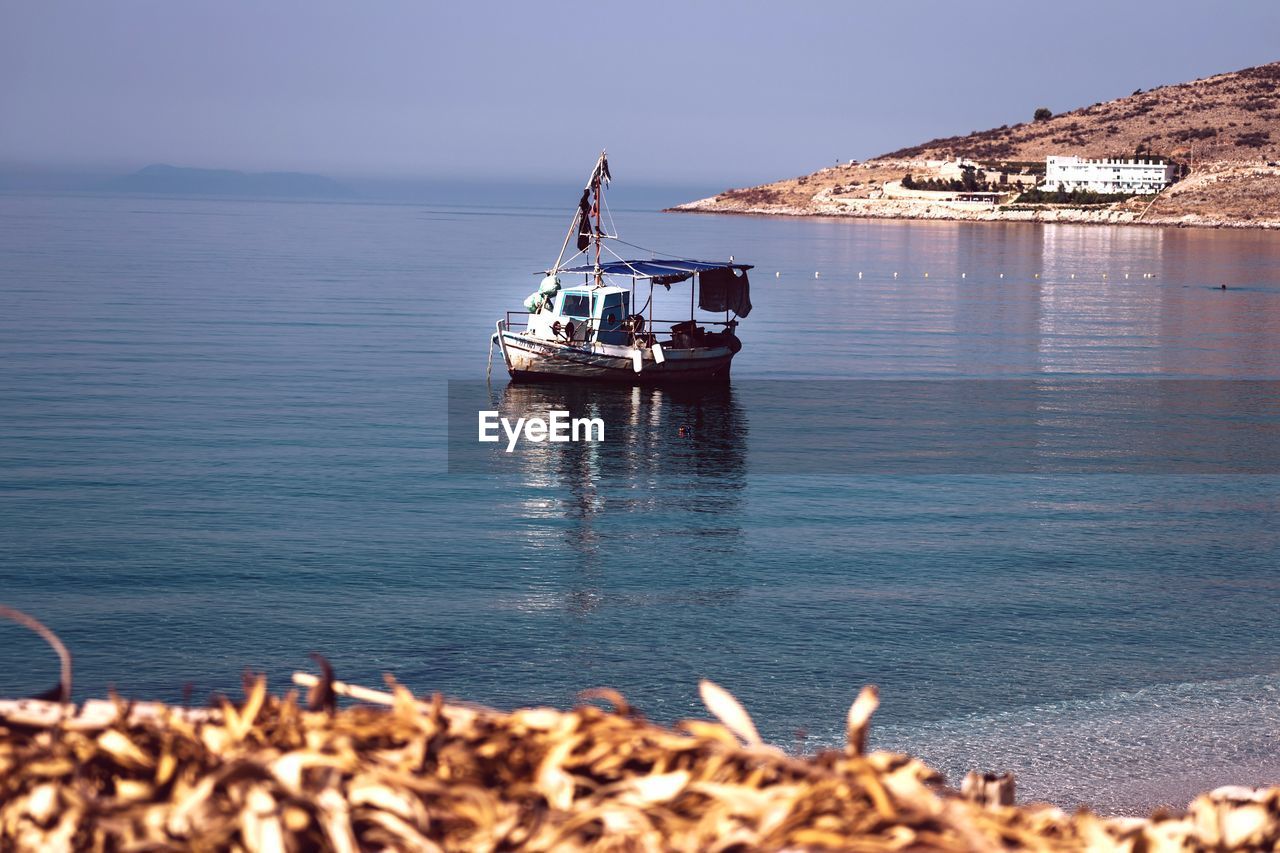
x=733 y=343
x=658 y=355
x=568 y=331
x=637 y=360
x=555 y=328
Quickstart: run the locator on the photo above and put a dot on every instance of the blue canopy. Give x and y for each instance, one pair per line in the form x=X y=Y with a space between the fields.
x=658 y=267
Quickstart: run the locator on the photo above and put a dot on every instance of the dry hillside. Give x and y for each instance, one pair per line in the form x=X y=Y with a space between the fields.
x=1230 y=117
x=1223 y=130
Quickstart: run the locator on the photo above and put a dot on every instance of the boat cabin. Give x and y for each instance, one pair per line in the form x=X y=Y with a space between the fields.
x=583 y=314
x=598 y=311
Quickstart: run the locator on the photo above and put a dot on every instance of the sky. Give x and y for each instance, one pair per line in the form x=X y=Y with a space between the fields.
x=732 y=93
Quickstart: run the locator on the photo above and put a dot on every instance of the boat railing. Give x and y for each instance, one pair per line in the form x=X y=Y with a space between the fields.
x=520 y=320
x=732 y=323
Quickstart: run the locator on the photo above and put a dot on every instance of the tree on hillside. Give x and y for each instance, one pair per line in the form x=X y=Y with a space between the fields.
x=1043 y=114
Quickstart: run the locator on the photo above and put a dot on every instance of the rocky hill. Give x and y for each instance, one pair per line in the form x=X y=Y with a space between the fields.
x=1229 y=117
x=1222 y=131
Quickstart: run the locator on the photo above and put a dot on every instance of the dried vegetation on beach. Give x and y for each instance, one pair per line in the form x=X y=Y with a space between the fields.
x=396 y=772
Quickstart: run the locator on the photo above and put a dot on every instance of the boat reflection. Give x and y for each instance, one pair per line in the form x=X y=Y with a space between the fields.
x=652 y=434
x=665 y=485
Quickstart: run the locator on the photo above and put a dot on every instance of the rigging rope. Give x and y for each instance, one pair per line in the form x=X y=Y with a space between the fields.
x=643 y=249
x=612 y=225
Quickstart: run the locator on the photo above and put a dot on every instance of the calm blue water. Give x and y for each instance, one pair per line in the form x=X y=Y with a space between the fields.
x=222 y=446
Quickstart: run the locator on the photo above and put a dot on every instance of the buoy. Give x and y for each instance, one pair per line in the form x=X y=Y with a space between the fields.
x=816 y=274
x=926 y=275
x=1038 y=275
x=962 y=275
x=859 y=275
x=1104 y=275
x=777 y=275
x=1126 y=275
x=895 y=275
x=1002 y=275
x=1073 y=275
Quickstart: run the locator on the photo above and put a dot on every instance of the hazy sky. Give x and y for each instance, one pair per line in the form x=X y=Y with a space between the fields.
x=722 y=92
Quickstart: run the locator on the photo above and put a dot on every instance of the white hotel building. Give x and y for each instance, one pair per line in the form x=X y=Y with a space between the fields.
x=1107 y=176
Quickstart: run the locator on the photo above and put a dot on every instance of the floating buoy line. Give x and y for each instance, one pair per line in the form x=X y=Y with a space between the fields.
x=861 y=275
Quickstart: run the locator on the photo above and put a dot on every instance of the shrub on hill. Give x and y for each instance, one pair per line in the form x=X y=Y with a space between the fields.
x=1074 y=197
x=754 y=195
x=971 y=180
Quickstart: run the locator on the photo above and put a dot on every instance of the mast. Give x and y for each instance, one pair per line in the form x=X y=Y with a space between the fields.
x=593 y=186
x=597 y=179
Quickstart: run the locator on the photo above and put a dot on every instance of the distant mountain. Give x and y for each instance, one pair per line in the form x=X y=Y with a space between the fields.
x=176 y=179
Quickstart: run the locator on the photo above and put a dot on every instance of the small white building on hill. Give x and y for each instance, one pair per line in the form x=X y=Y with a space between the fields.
x=1107 y=176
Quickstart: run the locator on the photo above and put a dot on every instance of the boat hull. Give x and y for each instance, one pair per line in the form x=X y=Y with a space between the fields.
x=534 y=359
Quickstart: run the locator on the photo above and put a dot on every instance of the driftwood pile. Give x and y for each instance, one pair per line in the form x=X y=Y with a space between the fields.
x=267 y=774
x=399 y=773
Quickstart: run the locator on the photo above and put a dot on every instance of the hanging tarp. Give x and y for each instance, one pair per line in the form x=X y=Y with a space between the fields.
x=656 y=267
x=724 y=289
x=584 y=220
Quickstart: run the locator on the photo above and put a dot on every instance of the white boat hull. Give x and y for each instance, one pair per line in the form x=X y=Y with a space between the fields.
x=536 y=359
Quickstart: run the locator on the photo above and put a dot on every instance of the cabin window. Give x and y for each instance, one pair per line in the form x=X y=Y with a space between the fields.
x=576 y=305
x=611 y=309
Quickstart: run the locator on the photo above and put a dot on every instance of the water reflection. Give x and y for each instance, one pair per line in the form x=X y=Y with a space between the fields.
x=1099 y=299
x=997 y=318
x=664 y=487
x=652 y=435
x=1012 y=300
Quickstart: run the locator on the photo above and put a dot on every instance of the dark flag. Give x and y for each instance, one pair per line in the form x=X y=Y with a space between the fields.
x=584 y=221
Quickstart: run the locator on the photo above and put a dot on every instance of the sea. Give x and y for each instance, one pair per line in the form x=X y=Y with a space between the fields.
x=1020 y=477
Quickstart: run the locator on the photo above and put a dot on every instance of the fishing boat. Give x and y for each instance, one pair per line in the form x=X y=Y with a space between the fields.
x=597 y=327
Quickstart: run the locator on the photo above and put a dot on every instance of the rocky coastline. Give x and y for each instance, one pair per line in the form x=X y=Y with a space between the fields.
x=1219 y=195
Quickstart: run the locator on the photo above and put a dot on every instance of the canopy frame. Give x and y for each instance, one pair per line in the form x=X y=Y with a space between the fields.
x=651 y=268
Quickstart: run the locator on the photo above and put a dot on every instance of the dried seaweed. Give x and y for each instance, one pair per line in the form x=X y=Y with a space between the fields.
x=398 y=772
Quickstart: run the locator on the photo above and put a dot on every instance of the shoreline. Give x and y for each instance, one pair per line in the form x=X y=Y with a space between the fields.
x=1221 y=195
x=1122 y=753
x=1175 y=794
x=1016 y=217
